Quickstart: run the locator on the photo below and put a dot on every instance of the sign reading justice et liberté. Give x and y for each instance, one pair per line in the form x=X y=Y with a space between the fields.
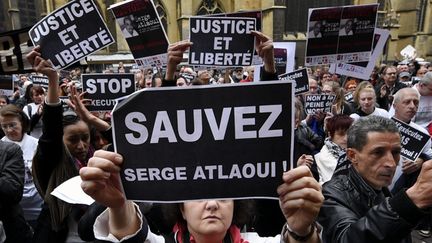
x=205 y=142
x=71 y=33
x=221 y=41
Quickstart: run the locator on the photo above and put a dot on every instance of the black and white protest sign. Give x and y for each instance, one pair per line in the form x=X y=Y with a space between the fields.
x=104 y=89
x=205 y=142
x=413 y=141
x=143 y=30
x=70 y=33
x=40 y=80
x=301 y=80
x=6 y=85
x=14 y=46
x=340 y=34
x=349 y=97
x=257 y=15
x=221 y=42
x=363 y=70
x=318 y=102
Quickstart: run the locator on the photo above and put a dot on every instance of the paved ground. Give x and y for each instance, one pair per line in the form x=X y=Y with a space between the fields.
x=419 y=239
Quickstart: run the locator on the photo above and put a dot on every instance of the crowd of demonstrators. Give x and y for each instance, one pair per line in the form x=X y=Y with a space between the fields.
x=353 y=151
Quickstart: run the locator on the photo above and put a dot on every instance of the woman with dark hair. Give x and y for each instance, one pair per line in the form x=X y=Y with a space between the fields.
x=4 y=100
x=34 y=110
x=334 y=146
x=26 y=98
x=15 y=125
x=64 y=148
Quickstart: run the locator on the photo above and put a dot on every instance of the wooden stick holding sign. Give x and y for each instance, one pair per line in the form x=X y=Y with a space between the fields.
x=223 y=141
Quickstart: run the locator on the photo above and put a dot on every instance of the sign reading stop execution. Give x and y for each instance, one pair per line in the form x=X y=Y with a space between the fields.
x=104 y=89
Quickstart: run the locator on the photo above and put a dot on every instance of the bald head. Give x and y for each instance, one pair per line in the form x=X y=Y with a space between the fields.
x=406 y=103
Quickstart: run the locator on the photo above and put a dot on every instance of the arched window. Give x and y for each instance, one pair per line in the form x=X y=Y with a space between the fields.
x=209 y=7
x=162 y=14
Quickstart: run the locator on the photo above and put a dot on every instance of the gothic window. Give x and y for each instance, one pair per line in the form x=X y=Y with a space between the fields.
x=162 y=14
x=209 y=7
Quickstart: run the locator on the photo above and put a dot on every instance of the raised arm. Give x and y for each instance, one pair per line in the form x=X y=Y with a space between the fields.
x=45 y=67
x=175 y=55
x=300 y=199
x=76 y=103
x=101 y=180
x=264 y=48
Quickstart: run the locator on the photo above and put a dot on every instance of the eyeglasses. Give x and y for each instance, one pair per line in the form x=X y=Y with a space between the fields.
x=391 y=74
x=12 y=125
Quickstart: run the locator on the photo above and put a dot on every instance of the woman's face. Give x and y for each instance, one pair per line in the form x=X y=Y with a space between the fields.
x=76 y=137
x=327 y=89
x=367 y=101
x=37 y=98
x=12 y=127
x=208 y=218
x=2 y=102
x=340 y=138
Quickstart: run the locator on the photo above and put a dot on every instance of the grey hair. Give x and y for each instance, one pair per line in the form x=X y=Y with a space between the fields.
x=358 y=132
x=427 y=79
x=398 y=96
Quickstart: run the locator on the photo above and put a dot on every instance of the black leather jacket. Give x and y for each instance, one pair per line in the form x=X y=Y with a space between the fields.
x=355 y=212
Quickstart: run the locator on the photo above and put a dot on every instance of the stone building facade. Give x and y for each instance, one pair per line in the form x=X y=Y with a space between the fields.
x=410 y=21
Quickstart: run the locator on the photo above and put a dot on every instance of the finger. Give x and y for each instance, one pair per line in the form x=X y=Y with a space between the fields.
x=182 y=45
x=93 y=173
x=295 y=174
x=32 y=55
x=304 y=182
x=260 y=35
x=300 y=204
x=92 y=187
x=112 y=156
x=81 y=96
x=310 y=194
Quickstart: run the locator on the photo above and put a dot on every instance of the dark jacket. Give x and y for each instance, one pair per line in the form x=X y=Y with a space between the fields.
x=355 y=212
x=386 y=101
x=52 y=165
x=11 y=191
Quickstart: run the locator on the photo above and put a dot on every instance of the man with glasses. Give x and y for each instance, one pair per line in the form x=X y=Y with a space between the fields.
x=386 y=90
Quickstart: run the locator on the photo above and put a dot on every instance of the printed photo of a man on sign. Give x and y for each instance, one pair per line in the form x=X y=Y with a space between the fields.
x=128 y=28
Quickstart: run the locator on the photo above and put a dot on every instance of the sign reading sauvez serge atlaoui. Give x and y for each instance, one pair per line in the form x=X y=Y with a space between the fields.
x=205 y=142
x=221 y=41
x=71 y=33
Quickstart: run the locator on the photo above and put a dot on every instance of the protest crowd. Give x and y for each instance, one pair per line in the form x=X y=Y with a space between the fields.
x=361 y=154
